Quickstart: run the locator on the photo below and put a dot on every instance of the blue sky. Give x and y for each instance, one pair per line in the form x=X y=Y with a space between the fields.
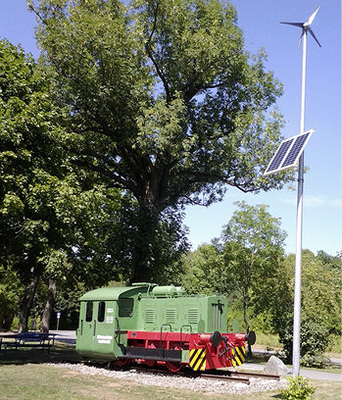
x=322 y=218
x=322 y=221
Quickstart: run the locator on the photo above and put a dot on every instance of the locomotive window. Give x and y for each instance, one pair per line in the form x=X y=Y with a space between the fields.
x=89 y=311
x=101 y=311
x=126 y=307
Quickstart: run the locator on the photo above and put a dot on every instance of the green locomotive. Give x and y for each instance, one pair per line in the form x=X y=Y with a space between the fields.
x=153 y=324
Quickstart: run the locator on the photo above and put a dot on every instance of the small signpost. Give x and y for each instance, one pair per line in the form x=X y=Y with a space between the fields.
x=58 y=318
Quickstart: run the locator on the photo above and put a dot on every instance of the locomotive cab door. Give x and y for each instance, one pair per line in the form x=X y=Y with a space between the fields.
x=96 y=330
x=85 y=331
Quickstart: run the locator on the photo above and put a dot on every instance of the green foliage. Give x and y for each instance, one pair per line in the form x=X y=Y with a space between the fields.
x=164 y=103
x=330 y=261
x=10 y=292
x=252 y=247
x=247 y=264
x=314 y=339
x=203 y=269
x=298 y=389
x=244 y=264
x=54 y=216
x=320 y=309
x=321 y=291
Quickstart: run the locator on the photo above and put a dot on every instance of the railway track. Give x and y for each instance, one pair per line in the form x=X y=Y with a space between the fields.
x=228 y=377
x=257 y=375
x=242 y=377
x=234 y=376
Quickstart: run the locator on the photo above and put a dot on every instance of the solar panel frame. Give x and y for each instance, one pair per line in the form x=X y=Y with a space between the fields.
x=288 y=153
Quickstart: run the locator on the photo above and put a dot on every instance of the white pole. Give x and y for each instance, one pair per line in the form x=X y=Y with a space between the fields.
x=298 y=266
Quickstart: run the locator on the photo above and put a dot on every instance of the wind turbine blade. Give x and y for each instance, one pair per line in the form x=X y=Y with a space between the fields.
x=301 y=37
x=313 y=35
x=312 y=17
x=299 y=24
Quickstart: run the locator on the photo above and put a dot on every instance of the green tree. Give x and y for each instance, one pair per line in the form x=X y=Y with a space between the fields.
x=246 y=264
x=23 y=107
x=164 y=102
x=320 y=306
x=167 y=243
x=10 y=292
x=253 y=250
x=330 y=261
x=51 y=213
x=204 y=270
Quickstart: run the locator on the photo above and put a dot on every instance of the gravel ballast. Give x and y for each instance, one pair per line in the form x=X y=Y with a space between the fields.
x=178 y=382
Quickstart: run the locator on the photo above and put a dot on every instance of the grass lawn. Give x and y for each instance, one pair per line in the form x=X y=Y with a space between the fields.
x=38 y=381
x=267 y=342
x=271 y=342
x=23 y=375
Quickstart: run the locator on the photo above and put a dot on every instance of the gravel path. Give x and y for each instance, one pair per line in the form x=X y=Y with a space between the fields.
x=177 y=382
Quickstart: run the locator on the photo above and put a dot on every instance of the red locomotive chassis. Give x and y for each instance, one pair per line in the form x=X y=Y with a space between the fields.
x=200 y=351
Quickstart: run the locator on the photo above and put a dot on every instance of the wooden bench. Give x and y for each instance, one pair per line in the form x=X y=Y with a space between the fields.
x=27 y=339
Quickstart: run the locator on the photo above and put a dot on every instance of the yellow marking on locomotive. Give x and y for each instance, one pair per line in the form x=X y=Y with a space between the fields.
x=238 y=356
x=197 y=359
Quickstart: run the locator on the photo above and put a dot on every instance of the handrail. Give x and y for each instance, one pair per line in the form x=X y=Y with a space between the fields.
x=181 y=332
x=161 y=332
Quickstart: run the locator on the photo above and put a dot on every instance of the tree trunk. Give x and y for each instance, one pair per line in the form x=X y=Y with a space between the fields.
x=245 y=305
x=2 y=317
x=50 y=302
x=26 y=304
x=7 y=320
x=245 y=313
x=144 y=252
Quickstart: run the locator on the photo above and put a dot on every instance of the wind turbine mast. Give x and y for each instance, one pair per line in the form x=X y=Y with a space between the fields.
x=306 y=27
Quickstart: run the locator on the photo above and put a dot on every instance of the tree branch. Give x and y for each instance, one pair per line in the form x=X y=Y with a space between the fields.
x=148 y=49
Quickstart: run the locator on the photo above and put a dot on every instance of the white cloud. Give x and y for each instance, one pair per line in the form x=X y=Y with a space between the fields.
x=289 y=200
x=314 y=201
x=336 y=203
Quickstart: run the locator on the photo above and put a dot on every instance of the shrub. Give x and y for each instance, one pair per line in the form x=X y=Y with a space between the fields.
x=315 y=361
x=298 y=389
x=314 y=340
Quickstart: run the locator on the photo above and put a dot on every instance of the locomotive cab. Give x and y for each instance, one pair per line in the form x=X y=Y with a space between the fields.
x=106 y=315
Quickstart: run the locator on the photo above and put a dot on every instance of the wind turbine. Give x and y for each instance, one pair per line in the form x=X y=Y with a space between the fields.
x=306 y=27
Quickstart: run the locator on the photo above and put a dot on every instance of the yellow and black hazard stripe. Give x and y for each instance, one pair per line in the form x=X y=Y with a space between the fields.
x=239 y=355
x=197 y=359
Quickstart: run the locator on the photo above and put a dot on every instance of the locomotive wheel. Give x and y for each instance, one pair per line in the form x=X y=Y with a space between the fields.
x=149 y=363
x=121 y=363
x=173 y=366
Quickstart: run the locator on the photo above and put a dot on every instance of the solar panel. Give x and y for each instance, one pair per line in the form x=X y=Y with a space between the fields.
x=288 y=152
x=297 y=148
x=279 y=156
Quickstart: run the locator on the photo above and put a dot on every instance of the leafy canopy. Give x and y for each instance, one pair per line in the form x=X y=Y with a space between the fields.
x=163 y=97
x=164 y=103
x=244 y=263
x=50 y=211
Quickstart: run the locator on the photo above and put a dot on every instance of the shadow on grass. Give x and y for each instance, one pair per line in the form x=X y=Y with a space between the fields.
x=58 y=353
